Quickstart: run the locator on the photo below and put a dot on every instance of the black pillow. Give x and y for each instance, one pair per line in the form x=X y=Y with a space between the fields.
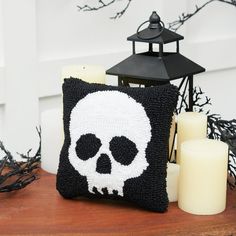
x=116 y=142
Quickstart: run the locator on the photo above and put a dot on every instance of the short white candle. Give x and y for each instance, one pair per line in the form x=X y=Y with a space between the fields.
x=172 y=181
x=203 y=176
x=190 y=125
x=52 y=122
x=52 y=139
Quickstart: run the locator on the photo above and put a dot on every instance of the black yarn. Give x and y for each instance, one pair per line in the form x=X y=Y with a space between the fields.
x=147 y=190
x=123 y=150
x=87 y=146
x=103 y=164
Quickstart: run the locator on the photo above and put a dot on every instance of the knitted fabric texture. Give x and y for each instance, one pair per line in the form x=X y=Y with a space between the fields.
x=116 y=142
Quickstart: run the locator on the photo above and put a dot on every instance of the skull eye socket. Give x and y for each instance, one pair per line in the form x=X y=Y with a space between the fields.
x=123 y=150
x=87 y=146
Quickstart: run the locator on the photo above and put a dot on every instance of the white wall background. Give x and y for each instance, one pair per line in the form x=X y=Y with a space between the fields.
x=38 y=37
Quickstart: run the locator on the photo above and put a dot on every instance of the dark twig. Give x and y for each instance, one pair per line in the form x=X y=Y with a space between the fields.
x=17 y=175
x=102 y=4
x=175 y=25
x=122 y=12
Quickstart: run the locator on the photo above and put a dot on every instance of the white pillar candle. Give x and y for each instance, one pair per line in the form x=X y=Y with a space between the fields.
x=52 y=122
x=88 y=73
x=52 y=139
x=171 y=140
x=190 y=125
x=172 y=181
x=203 y=176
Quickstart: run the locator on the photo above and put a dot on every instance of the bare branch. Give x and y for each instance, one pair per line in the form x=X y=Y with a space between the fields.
x=101 y=4
x=175 y=25
x=121 y=13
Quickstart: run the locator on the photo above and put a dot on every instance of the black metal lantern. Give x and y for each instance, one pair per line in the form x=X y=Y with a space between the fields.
x=156 y=68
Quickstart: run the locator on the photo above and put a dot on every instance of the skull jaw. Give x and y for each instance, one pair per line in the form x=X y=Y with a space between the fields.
x=113 y=181
x=102 y=182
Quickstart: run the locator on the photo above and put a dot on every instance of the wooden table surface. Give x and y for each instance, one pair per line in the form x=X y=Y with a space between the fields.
x=40 y=210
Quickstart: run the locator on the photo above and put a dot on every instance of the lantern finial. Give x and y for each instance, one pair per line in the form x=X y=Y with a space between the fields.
x=154 y=21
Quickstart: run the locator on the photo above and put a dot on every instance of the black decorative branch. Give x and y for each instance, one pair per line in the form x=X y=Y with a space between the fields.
x=200 y=101
x=175 y=25
x=17 y=175
x=102 y=4
x=212 y=128
x=227 y=131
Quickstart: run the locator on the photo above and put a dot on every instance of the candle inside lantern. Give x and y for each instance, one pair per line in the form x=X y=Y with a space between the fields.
x=88 y=73
x=172 y=181
x=190 y=125
x=52 y=122
x=203 y=176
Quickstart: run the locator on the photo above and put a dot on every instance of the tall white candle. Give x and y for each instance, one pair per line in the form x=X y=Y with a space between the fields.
x=203 y=176
x=52 y=139
x=172 y=181
x=52 y=122
x=190 y=125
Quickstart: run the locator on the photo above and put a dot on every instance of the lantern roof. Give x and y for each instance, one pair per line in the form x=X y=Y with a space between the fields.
x=167 y=36
x=155 y=32
x=149 y=66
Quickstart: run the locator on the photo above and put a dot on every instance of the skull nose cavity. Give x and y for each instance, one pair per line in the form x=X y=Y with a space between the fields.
x=103 y=164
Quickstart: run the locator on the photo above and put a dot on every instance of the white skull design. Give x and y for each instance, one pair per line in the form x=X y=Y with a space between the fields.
x=104 y=120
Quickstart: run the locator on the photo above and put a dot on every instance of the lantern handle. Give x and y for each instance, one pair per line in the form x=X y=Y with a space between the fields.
x=153 y=37
x=155 y=23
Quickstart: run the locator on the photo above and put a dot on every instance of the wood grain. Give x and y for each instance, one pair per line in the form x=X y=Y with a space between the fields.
x=40 y=210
